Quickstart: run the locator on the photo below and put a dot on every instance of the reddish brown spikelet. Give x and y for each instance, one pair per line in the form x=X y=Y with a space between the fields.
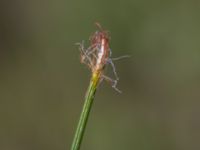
x=100 y=41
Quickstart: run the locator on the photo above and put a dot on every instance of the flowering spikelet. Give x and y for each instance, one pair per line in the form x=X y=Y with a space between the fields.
x=98 y=55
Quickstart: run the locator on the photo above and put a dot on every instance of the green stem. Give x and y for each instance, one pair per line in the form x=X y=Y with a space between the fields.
x=85 y=112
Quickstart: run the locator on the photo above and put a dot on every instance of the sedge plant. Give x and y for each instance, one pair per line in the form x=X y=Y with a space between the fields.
x=97 y=56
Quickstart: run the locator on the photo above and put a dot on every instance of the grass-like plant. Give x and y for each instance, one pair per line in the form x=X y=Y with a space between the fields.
x=97 y=56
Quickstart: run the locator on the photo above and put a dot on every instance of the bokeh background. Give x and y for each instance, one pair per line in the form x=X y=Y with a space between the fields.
x=43 y=84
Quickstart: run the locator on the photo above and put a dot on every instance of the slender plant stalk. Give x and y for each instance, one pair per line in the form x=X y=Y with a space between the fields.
x=85 y=111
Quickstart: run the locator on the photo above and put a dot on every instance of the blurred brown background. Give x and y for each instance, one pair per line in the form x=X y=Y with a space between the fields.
x=42 y=83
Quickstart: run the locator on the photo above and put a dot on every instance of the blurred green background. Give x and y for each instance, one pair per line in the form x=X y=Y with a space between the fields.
x=42 y=83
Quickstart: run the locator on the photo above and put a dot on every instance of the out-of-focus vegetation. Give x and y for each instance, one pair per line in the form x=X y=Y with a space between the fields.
x=40 y=75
